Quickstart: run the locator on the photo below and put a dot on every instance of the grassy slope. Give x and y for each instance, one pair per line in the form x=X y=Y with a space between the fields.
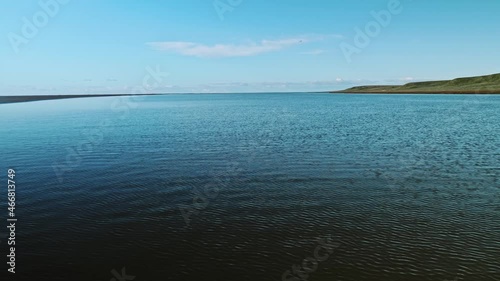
x=488 y=84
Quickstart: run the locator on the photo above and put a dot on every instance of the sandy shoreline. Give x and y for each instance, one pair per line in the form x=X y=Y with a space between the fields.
x=17 y=99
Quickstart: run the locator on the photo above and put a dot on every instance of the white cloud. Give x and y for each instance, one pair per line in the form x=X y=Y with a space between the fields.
x=232 y=50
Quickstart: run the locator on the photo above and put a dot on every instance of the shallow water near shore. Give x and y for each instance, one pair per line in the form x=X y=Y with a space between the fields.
x=242 y=186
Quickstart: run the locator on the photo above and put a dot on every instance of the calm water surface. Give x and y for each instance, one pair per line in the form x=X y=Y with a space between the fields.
x=241 y=187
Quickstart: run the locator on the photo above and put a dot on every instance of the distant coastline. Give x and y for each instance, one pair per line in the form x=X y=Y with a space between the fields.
x=488 y=84
x=17 y=99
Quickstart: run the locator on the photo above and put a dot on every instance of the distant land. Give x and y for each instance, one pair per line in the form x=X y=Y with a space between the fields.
x=14 y=99
x=488 y=84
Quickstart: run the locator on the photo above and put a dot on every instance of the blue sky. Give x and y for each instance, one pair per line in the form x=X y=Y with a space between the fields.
x=104 y=46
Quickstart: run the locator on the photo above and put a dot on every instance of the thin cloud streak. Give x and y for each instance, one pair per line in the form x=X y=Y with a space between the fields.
x=231 y=50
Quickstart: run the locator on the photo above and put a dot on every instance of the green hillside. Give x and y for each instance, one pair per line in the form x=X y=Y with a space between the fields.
x=489 y=84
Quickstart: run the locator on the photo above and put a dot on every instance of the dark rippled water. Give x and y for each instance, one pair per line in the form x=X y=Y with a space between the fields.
x=406 y=187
